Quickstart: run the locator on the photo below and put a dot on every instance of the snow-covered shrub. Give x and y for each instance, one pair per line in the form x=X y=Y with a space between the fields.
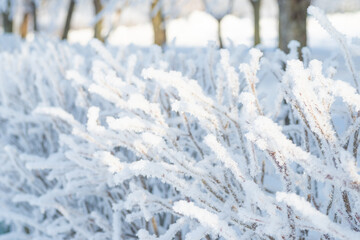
x=31 y=75
x=105 y=143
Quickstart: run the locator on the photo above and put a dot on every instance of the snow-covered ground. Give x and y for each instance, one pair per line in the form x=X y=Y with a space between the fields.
x=199 y=28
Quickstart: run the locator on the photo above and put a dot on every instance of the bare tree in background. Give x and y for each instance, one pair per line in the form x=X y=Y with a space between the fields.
x=158 y=23
x=34 y=15
x=99 y=24
x=256 y=8
x=8 y=18
x=292 y=22
x=29 y=11
x=24 y=25
x=68 y=19
x=219 y=9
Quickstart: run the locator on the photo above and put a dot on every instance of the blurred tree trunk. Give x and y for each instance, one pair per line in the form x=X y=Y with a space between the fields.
x=114 y=24
x=24 y=25
x=34 y=15
x=292 y=22
x=29 y=11
x=212 y=7
x=158 y=24
x=68 y=19
x=219 y=34
x=99 y=25
x=7 y=18
x=256 y=7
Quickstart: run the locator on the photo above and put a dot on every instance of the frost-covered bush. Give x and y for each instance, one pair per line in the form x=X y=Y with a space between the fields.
x=107 y=143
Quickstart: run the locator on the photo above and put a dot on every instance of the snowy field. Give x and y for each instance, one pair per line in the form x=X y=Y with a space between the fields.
x=199 y=28
x=188 y=142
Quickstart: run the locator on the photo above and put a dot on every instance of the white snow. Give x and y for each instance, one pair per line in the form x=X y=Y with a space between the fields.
x=125 y=142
